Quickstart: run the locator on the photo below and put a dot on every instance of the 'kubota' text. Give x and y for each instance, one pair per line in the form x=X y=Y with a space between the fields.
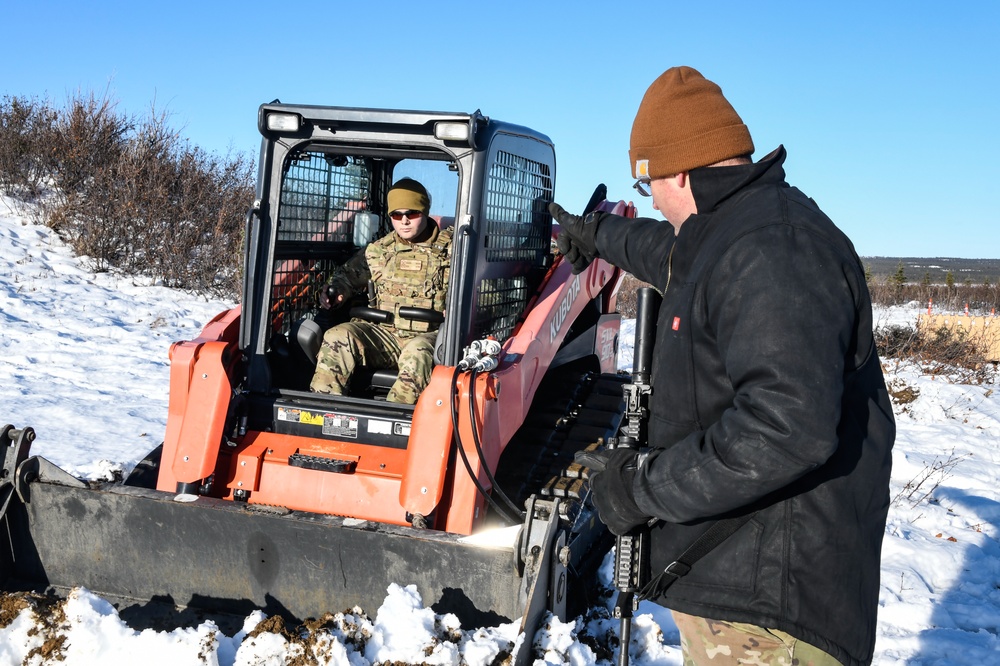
x=560 y=315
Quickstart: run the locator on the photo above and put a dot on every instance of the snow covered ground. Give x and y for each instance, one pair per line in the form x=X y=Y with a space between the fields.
x=83 y=360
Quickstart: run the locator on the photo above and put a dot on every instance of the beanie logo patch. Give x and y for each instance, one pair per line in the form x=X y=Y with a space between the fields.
x=642 y=168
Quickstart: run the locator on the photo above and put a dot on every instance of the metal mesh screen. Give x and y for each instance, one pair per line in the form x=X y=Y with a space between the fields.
x=319 y=196
x=501 y=301
x=517 y=193
x=517 y=229
x=294 y=290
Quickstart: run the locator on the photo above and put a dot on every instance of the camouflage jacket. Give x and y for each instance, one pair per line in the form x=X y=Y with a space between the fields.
x=404 y=274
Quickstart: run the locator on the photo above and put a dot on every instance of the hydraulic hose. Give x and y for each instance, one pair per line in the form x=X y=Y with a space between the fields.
x=482 y=455
x=514 y=520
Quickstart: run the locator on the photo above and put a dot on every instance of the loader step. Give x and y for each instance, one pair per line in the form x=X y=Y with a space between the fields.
x=338 y=465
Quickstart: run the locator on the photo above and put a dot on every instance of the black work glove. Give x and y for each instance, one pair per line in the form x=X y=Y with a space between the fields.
x=577 y=239
x=334 y=293
x=611 y=475
x=329 y=298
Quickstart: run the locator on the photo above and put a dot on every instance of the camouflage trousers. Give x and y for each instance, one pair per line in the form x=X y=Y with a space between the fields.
x=713 y=643
x=346 y=346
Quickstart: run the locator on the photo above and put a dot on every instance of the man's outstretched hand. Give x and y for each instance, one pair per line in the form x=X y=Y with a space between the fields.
x=577 y=236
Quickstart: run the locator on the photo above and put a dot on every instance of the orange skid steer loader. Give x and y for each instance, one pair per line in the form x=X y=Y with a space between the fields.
x=266 y=495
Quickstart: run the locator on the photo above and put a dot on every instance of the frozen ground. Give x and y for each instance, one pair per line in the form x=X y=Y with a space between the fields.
x=83 y=360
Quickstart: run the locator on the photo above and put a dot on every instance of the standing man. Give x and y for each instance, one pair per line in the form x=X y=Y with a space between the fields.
x=408 y=268
x=767 y=393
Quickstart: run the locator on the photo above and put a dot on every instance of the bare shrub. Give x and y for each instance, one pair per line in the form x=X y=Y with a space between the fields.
x=25 y=125
x=131 y=194
x=169 y=210
x=89 y=137
x=922 y=486
x=626 y=300
x=938 y=351
x=897 y=341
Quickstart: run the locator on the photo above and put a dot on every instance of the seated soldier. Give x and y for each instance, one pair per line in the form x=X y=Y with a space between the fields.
x=408 y=268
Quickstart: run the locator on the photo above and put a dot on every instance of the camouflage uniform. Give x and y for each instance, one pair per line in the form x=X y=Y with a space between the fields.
x=405 y=274
x=711 y=642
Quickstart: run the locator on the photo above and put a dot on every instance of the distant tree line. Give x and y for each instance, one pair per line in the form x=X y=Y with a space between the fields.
x=952 y=296
x=936 y=270
x=127 y=191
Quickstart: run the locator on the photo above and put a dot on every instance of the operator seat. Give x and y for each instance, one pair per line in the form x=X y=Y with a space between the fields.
x=308 y=335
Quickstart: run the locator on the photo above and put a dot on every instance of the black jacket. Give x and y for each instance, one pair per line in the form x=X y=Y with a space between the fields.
x=767 y=395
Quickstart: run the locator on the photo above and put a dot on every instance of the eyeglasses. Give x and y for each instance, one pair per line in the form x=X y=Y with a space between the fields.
x=398 y=215
x=642 y=187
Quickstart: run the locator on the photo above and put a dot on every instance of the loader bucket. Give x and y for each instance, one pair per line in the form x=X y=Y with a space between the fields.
x=176 y=560
x=146 y=549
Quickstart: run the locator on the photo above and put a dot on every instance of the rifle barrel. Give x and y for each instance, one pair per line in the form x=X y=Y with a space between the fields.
x=647 y=305
x=625 y=633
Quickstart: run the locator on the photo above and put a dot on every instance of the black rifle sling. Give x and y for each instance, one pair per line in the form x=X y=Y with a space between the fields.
x=702 y=546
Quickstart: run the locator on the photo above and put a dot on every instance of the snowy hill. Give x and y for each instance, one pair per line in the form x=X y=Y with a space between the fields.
x=83 y=360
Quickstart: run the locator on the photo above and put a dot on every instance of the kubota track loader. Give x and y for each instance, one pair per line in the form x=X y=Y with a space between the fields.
x=265 y=495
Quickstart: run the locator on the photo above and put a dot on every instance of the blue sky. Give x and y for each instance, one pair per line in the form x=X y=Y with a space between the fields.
x=890 y=111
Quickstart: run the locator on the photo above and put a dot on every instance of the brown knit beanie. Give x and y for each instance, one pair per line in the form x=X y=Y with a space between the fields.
x=408 y=194
x=684 y=122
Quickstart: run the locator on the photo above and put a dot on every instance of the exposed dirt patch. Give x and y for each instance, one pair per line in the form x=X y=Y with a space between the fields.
x=11 y=606
x=50 y=621
x=904 y=395
x=272 y=625
x=313 y=641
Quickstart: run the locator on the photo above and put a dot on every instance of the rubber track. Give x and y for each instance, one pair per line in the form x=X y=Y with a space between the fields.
x=572 y=412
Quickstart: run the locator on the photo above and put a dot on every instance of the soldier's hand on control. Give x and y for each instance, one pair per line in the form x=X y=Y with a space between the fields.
x=577 y=239
x=330 y=297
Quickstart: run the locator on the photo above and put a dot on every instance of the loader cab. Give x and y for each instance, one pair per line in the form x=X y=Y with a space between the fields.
x=332 y=206
x=321 y=198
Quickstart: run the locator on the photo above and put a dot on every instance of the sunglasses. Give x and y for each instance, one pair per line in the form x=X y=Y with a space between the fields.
x=642 y=187
x=398 y=215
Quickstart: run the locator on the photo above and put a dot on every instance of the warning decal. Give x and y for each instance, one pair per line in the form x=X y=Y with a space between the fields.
x=299 y=416
x=340 y=425
x=310 y=418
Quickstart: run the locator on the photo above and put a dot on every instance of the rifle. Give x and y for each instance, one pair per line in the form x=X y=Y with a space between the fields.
x=632 y=550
